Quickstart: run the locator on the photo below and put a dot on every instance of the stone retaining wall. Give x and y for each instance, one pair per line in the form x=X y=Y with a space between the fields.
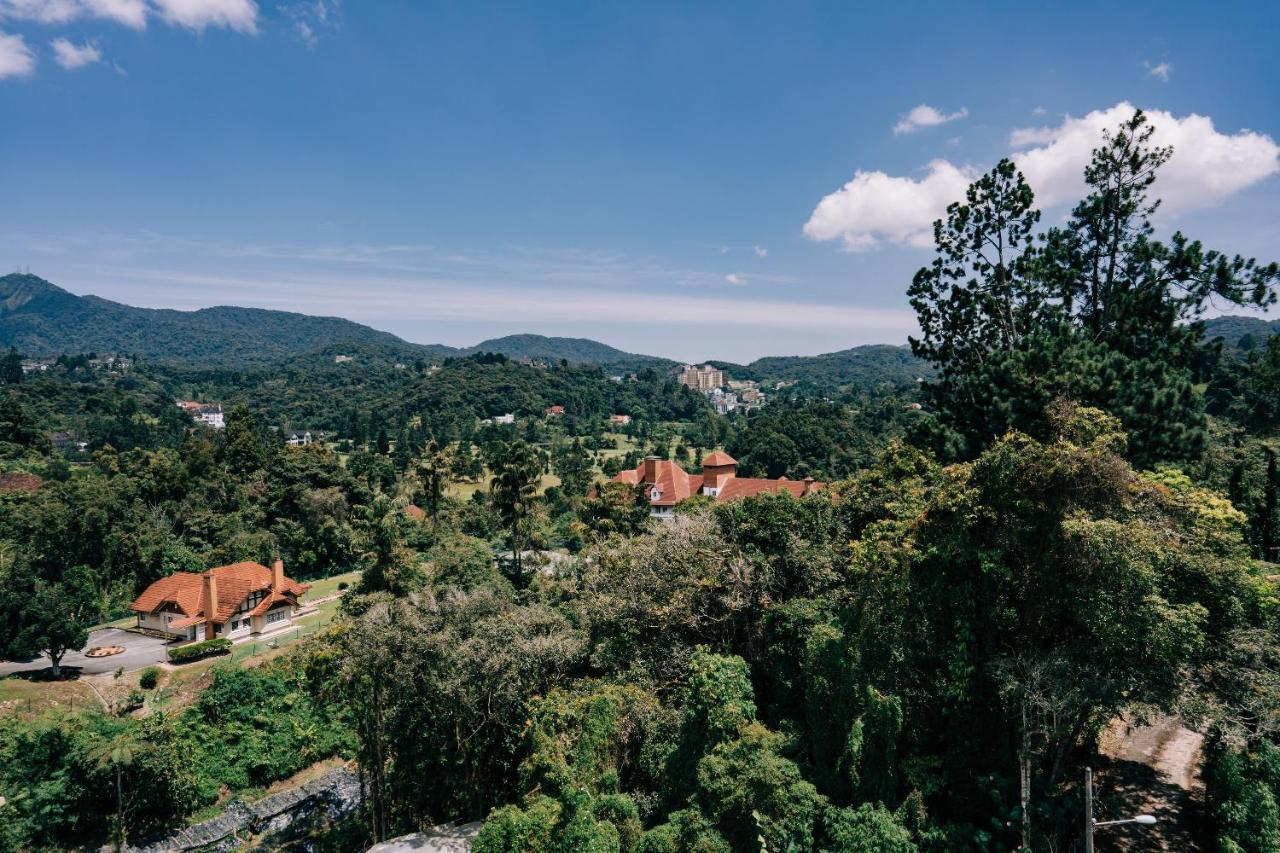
x=333 y=796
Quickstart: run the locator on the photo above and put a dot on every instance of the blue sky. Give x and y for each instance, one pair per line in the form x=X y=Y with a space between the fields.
x=695 y=180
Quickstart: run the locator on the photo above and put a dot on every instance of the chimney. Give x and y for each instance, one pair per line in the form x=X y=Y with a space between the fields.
x=808 y=486
x=650 y=469
x=277 y=575
x=210 y=605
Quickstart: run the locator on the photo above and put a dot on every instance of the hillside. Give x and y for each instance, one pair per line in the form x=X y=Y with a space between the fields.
x=573 y=350
x=40 y=318
x=1233 y=329
x=864 y=367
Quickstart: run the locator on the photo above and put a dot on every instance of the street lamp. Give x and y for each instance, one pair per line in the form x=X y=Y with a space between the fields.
x=1090 y=824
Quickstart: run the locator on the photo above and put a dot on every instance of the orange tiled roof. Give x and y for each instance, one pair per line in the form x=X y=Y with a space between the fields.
x=674 y=484
x=415 y=512
x=234 y=584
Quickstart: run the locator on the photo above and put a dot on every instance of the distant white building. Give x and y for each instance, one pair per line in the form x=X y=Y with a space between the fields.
x=723 y=402
x=299 y=438
x=204 y=413
x=508 y=418
x=343 y=359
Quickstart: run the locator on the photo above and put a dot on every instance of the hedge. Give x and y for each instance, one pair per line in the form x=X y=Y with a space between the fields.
x=195 y=651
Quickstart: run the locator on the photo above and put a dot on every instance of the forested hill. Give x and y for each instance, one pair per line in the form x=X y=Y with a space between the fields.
x=573 y=350
x=1235 y=331
x=39 y=318
x=866 y=367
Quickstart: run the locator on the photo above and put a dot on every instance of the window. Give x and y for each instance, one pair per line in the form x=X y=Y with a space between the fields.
x=277 y=615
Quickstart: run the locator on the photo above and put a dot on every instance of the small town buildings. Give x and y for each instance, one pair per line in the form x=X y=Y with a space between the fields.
x=666 y=484
x=343 y=359
x=723 y=402
x=228 y=601
x=508 y=418
x=204 y=413
x=555 y=411
x=620 y=420
x=704 y=378
x=38 y=365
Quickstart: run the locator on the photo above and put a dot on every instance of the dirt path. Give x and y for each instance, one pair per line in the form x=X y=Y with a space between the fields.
x=1151 y=769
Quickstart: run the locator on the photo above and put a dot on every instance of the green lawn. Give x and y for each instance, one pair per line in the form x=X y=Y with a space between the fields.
x=329 y=586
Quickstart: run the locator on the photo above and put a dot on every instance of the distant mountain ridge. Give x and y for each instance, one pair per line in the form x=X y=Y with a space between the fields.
x=41 y=319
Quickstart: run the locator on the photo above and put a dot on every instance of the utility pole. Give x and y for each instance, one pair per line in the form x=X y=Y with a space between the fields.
x=1088 y=810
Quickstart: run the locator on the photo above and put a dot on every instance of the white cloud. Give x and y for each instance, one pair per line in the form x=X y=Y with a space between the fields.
x=761 y=251
x=16 y=59
x=1039 y=111
x=1206 y=167
x=312 y=19
x=875 y=207
x=131 y=13
x=71 y=56
x=1161 y=71
x=241 y=15
x=733 y=278
x=926 y=116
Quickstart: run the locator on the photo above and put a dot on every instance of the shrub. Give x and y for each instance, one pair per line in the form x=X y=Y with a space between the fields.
x=149 y=678
x=195 y=651
x=342 y=585
x=135 y=700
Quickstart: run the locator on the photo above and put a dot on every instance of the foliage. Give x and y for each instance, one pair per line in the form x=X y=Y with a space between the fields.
x=198 y=650
x=1096 y=311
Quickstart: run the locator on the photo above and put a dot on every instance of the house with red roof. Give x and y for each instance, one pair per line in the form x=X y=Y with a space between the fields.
x=666 y=484
x=228 y=601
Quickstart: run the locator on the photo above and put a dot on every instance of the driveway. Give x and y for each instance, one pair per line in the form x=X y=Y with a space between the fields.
x=139 y=651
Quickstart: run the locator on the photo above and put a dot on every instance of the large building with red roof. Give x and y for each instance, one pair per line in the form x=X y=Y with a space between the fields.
x=666 y=484
x=228 y=601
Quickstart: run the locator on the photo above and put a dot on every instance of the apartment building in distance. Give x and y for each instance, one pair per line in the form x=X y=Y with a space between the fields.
x=705 y=378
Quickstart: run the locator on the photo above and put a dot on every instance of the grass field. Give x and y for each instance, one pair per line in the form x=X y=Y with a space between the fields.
x=29 y=699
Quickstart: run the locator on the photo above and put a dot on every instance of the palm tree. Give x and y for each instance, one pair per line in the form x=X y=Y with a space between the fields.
x=513 y=488
x=118 y=753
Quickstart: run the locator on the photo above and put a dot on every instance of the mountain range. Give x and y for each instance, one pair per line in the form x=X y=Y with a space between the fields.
x=41 y=319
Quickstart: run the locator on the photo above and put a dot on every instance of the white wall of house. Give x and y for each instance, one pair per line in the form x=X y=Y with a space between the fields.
x=160 y=622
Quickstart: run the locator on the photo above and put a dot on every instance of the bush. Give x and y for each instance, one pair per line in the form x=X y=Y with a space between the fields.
x=149 y=678
x=195 y=651
x=342 y=585
x=135 y=700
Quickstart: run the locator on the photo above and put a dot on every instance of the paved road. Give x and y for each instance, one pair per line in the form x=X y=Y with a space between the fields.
x=439 y=839
x=140 y=651
x=1155 y=770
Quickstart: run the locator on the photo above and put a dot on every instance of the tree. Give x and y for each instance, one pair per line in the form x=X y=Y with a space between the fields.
x=433 y=473
x=11 y=368
x=1097 y=311
x=389 y=566
x=49 y=616
x=573 y=466
x=244 y=441
x=514 y=488
x=978 y=296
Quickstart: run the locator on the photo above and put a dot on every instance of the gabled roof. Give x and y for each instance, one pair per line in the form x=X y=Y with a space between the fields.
x=718 y=458
x=234 y=584
x=674 y=484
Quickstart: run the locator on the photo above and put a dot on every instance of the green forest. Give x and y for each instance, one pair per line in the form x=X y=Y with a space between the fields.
x=1058 y=508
